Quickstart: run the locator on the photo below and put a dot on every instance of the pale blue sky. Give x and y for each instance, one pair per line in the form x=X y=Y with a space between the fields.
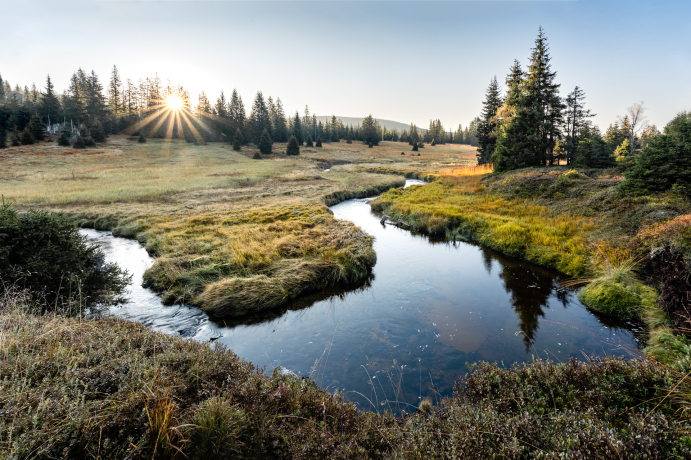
x=404 y=61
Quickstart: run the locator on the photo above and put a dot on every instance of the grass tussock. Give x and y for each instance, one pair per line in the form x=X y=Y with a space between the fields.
x=113 y=389
x=240 y=262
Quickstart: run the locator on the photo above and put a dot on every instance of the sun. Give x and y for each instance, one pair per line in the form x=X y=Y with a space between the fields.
x=174 y=102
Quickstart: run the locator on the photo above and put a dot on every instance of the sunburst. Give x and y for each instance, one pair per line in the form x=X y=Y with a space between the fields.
x=171 y=117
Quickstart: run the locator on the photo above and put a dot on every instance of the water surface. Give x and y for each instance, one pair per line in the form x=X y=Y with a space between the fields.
x=409 y=330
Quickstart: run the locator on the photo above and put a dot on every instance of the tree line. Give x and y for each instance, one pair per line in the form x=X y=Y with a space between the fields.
x=530 y=124
x=92 y=111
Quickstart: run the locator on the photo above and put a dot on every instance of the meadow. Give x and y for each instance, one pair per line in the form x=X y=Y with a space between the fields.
x=231 y=234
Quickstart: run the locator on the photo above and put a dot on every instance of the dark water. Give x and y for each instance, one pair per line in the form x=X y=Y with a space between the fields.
x=408 y=331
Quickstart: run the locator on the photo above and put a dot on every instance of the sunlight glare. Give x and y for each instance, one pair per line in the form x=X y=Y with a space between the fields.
x=174 y=102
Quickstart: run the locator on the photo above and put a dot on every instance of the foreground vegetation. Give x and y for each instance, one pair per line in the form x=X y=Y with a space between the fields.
x=113 y=389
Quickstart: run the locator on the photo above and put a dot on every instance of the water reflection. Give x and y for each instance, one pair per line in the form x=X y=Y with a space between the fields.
x=407 y=332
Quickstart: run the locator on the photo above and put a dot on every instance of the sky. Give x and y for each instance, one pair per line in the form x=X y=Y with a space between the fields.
x=406 y=61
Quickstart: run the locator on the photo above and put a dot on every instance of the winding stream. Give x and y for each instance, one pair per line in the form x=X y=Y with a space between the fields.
x=408 y=331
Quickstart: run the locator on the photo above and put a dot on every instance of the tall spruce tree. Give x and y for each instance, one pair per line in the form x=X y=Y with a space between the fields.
x=265 y=142
x=115 y=92
x=3 y=92
x=297 y=129
x=260 y=118
x=279 y=122
x=236 y=112
x=487 y=136
x=95 y=101
x=576 y=121
x=50 y=104
x=369 y=131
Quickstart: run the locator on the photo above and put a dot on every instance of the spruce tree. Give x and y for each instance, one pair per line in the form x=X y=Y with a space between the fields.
x=576 y=122
x=433 y=143
x=97 y=132
x=79 y=143
x=27 y=137
x=265 y=142
x=14 y=139
x=115 y=93
x=257 y=156
x=64 y=139
x=36 y=127
x=236 y=112
x=4 y=117
x=260 y=119
x=238 y=139
x=142 y=139
x=293 y=148
x=279 y=122
x=487 y=135
x=309 y=142
x=3 y=93
x=370 y=130
x=319 y=141
x=297 y=129
x=50 y=105
x=415 y=147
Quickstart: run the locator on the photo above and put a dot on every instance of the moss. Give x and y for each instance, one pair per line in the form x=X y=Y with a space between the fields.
x=623 y=299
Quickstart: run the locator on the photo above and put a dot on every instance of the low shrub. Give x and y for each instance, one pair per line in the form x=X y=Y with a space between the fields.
x=44 y=253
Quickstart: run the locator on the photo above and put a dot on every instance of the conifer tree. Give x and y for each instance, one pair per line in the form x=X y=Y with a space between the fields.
x=319 y=141
x=415 y=147
x=487 y=135
x=236 y=112
x=36 y=127
x=79 y=143
x=279 y=122
x=260 y=119
x=3 y=93
x=265 y=142
x=370 y=130
x=433 y=143
x=95 y=101
x=349 y=137
x=115 y=93
x=142 y=139
x=309 y=142
x=50 y=105
x=97 y=132
x=297 y=129
x=237 y=140
x=576 y=122
x=27 y=138
x=64 y=139
x=293 y=148
x=15 y=141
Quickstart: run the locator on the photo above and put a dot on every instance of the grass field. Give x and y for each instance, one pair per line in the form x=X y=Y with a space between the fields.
x=231 y=234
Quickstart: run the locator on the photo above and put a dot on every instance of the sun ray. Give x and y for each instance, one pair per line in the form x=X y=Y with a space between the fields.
x=194 y=130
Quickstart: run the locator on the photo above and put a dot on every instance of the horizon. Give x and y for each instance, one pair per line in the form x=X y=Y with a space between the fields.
x=365 y=60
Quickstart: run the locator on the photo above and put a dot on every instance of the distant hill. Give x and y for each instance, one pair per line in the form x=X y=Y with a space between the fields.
x=388 y=124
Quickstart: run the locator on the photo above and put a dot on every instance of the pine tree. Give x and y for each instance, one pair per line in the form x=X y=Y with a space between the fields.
x=142 y=139
x=293 y=148
x=309 y=142
x=220 y=124
x=3 y=93
x=433 y=143
x=487 y=135
x=297 y=129
x=265 y=142
x=237 y=140
x=319 y=141
x=115 y=93
x=415 y=147
x=349 y=137
x=257 y=156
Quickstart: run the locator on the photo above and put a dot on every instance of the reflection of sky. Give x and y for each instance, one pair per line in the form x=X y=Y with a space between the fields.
x=430 y=308
x=404 y=61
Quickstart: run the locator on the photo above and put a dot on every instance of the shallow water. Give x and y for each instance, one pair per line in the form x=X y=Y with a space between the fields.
x=406 y=332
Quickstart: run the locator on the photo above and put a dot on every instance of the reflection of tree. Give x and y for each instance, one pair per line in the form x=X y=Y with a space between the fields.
x=530 y=287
